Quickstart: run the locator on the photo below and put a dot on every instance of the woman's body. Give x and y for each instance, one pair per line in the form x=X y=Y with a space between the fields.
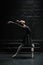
x=22 y=24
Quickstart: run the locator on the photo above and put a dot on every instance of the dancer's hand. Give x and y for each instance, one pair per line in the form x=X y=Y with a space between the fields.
x=10 y=22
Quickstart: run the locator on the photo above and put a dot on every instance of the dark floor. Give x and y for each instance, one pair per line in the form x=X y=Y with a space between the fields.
x=6 y=59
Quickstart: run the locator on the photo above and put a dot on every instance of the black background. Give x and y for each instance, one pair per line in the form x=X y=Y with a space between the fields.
x=29 y=10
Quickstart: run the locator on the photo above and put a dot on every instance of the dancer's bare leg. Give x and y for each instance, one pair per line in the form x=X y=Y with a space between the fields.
x=17 y=50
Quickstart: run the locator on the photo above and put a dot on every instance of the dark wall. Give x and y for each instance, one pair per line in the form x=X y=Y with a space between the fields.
x=29 y=10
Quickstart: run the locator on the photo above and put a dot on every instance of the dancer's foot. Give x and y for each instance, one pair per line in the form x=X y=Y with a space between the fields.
x=14 y=55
